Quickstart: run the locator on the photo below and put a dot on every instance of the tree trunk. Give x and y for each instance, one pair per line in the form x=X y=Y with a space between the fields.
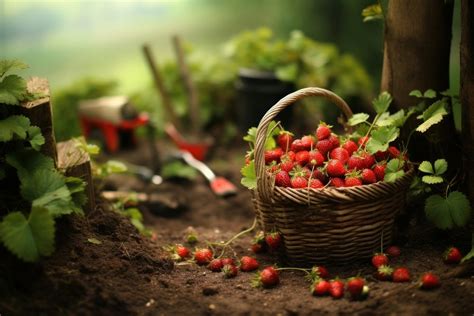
x=416 y=48
x=467 y=93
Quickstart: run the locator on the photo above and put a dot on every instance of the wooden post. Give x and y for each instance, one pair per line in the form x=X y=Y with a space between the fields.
x=75 y=162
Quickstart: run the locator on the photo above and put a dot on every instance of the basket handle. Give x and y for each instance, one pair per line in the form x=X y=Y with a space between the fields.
x=264 y=185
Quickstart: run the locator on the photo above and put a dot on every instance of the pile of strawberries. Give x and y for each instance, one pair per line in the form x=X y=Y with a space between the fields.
x=325 y=159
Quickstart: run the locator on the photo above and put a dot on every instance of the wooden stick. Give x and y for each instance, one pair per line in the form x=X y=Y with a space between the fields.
x=160 y=86
x=192 y=95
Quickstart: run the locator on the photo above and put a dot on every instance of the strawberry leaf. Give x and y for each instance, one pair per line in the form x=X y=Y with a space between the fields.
x=35 y=137
x=440 y=166
x=433 y=115
x=12 y=90
x=380 y=138
x=397 y=119
x=416 y=93
x=426 y=167
x=358 y=119
x=249 y=178
x=432 y=179
x=372 y=12
x=382 y=102
x=28 y=238
x=448 y=212
x=394 y=170
x=8 y=64
x=28 y=159
x=14 y=126
x=429 y=94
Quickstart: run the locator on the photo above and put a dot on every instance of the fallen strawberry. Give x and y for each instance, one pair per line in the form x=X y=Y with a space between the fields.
x=379 y=259
x=215 y=265
x=248 y=264
x=230 y=270
x=384 y=273
x=258 y=243
x=319 y=272
x=320 y=287
x=203 y=256
x=452 y=255
x=336 y=289
x=182 y=251
x=393 y=251
x=268 y=277
x=226 y=261
x=355 y=286
x=273 y=240
x=429 y=281
x=401 y=275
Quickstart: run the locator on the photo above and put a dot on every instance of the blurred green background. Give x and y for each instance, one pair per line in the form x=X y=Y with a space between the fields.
x=69 y=40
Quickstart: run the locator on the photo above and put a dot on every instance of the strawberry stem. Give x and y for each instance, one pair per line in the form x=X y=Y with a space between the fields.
x=370 y=130
x=227 y=243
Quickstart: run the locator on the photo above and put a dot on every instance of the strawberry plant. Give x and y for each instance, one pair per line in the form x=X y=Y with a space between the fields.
x=34 y=193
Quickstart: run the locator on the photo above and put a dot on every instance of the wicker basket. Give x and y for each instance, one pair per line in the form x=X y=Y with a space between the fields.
x=330 y=225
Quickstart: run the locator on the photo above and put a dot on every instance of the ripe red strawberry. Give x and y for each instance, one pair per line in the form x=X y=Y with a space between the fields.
x=268 y=277
x=393 y=152
x=273 y=155
x=284 y=140
x=257 y=248
x=230 y=270
x=381 y=155
x=320 y=287
x=320 y=175
x=355 y=163
x=258 y=243
x=452 y=255
x=337 y=182
x=393 y=251
x=401 y=275
x=282 y=179
x=215 y=265
x=429 y=281
x=302 y=157
x=369 y=160
x=350 y=146
x=368 y=176
x=384 y=273
x=323 y=131
x=319 y=272
x=340 y=154
x=379 y=171
x=324 y=146
x=379 y=259
x=315 y=158
x=352 y=181
x=355 y=286
x=248 y=264
x=334 y=140
x=287 y=165
x=316 y=184
x=247 y=160
x=307 y=142
x=228 y=261
x=363 y=141
x=289 y=156
x=297 y=146
x=203 y=256
x=273 y=240
x=335 y=168
x=336 y=289
x=299 y=182
x=182 y=251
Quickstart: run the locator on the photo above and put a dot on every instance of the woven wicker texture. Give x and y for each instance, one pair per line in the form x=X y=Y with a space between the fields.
x=330 y=225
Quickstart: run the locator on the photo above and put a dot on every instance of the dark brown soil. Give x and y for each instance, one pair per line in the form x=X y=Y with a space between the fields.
x=127 y=274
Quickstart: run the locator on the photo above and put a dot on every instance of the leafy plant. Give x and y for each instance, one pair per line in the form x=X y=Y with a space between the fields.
x=177 y=169
x=122 y=206
x=40 y=193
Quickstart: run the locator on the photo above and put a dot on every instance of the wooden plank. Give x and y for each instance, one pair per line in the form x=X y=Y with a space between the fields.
x=75 y=162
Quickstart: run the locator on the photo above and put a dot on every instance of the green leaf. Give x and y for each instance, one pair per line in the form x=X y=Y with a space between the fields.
x=430 y=122
x=94 y=241
x=15 y=125
x=432 y=179
x=394 y=170
x=437 y=107
x=382 y=102
x=28 y=159
x=272 y=131
x=381 y=138
x=358 y=119
x=440 y=166
x=76 y=187
x=426 y=167
x=12 y=90
x=177 y=169
x=372 y=12
x=416 y=93
x=110 y=167
x=448 y=212
x=249 y=178
x=35 y=137
x=393 y=176
x=28 y=238
x=287 y=72
x=9 y=64
x=397 y=119
x=429 y=94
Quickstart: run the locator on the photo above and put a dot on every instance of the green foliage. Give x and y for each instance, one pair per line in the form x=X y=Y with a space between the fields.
x=28 y=238
x=249 y=178
x=66 y=102
x=107 y=168
x=13 y=126
x=448 y=212
x=272 y=131
x=394 y=170
x=132 y=213
x=433 y=115
x=434 y=174
x=358 y=118
x=178 y=169
x=373 y=12
x=381 y=138
x=382 y=102
x=7 y=65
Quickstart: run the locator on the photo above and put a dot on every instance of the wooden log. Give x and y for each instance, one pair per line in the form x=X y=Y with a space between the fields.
x=75 y=162
x=40 y=114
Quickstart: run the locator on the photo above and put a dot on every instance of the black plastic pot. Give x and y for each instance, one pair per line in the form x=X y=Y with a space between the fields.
x=258 y=91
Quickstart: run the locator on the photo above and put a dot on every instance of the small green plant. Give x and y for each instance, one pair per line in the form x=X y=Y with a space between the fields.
x=126 y=207
x=34 y=192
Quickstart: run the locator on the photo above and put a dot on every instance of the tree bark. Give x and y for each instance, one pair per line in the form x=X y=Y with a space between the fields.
x=416 y=48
